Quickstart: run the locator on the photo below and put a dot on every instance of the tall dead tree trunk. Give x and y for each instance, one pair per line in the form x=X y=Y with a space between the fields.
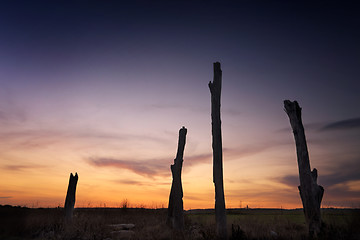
x=70 y=196
x=175 y=209
x=310 y=192
x=220 y=215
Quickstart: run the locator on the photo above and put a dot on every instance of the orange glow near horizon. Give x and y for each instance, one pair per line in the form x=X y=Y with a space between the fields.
x=108 y=188
x=111 y=169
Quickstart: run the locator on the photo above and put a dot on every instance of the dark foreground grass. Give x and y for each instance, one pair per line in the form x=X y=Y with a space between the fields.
x=93 y=223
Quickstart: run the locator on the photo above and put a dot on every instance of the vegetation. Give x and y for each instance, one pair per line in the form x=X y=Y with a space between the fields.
x=93 y=223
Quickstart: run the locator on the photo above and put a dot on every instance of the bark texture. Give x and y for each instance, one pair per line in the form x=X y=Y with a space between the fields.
x=70 y=196
x=220 y=215
x=175 y=209
x=310 y=192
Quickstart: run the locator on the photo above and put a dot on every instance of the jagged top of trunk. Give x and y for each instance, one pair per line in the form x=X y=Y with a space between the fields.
x=292 y=108
x=76 y=176
x=216 y=84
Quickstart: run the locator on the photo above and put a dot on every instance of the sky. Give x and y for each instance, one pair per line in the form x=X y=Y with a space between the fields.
x=102 y=88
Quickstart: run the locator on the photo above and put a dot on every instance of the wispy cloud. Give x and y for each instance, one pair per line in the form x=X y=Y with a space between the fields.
x=5 y=197
x=307 y=126
x=45 y=137
x=198 y=159
x=194 y=197
x=140 y=183
x=168 y=106
x=9 y=111
x=21 y=167
x=12 y=115
x=249 y=150
x=149 y=168
x=339 y=174
x=153 y=167
x=338 y=125
x=290 y=180
x=335 y=181
x=159 y=167
x=342 y=125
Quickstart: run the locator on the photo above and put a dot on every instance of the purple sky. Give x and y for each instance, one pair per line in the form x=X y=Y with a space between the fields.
x=104 y=86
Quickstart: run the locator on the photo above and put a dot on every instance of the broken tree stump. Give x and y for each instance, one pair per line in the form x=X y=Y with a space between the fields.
x=70 y=196
x=310 y=192
x=220 y=215
x=175 y=218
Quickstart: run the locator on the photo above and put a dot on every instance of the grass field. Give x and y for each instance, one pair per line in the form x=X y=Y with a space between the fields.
x=93 y=223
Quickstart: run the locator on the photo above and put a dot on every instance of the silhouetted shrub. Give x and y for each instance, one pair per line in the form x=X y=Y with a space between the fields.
x=237 y=233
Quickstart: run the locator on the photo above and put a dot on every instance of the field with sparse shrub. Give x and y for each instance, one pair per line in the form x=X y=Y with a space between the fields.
x=98 y=223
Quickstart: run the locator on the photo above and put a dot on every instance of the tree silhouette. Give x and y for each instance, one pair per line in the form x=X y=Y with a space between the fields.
x=220 y=215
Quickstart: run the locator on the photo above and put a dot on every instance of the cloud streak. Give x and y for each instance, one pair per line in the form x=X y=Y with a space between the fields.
x=205 y=110
x=13 y=115
x=236 y=153
x=338 y=174
x=345 y=124
x=148 y=167
x=153 y=167
x=342 y=125
x=336 y=181
x=9 y=112
x=140 y=183
x=21 y=167
x=45 y=137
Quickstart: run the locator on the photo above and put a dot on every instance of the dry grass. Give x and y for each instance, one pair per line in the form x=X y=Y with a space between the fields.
x=49 y=224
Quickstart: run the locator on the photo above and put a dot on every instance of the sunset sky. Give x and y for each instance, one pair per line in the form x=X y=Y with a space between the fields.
x=102 y=88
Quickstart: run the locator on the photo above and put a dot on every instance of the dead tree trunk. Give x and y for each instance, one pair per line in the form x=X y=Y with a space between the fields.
x=175 y=209
x=220 y=215
x=70 y=196
x=310 y=192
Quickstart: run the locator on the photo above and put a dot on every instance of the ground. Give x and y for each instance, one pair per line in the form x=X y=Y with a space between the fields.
x=94 y=223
